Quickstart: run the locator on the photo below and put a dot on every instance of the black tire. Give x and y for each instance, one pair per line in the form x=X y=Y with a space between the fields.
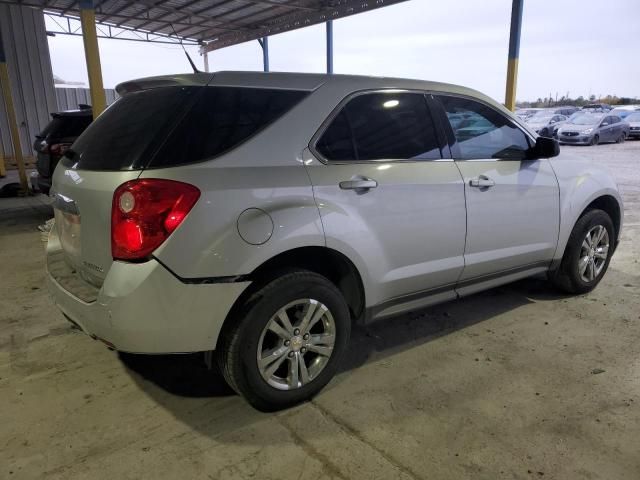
x=595 y=140
x=621 y=138
x=568 y=277
x=237 y=351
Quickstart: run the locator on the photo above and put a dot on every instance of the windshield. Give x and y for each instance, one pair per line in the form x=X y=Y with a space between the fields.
x=586 y=119
x=633 y=117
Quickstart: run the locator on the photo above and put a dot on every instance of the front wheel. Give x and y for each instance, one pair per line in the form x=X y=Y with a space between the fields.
x=284 y=344
x=588 y=253
x=595 y=140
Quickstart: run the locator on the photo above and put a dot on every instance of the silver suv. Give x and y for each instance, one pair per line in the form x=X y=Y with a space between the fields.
x=260 y=215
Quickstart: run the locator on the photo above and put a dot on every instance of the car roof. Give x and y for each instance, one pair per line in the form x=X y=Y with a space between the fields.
x=629 y=108
x=296 y=81
x=81 y=112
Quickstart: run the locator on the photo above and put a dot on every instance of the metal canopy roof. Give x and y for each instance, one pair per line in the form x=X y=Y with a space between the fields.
x=213 y=24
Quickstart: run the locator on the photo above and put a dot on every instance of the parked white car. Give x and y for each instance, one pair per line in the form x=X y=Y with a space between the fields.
x=259 y=215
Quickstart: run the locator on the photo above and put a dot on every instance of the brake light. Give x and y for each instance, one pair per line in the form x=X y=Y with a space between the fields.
x=145 y=212
x=59 y=148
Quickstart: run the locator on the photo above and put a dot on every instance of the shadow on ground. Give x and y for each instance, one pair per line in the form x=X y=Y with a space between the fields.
x=166 y=378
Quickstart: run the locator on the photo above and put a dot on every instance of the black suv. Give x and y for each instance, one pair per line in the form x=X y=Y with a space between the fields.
x=56 y=138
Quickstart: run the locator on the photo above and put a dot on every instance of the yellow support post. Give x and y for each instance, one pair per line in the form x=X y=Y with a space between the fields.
x=514 y=53
x=92 y=55
x=12 y=120
x=3 y=169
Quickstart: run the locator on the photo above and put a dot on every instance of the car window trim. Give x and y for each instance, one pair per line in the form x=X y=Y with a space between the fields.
x=512 y=121
x=336 y=111
x=439 y=117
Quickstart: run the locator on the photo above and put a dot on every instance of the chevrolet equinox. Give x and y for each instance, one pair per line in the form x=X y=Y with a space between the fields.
x=258 y=215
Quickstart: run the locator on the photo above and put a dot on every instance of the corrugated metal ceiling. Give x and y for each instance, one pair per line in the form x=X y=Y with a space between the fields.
x=214 y=23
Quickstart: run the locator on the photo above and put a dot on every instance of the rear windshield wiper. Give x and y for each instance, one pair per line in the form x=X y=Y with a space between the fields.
x=71 y=154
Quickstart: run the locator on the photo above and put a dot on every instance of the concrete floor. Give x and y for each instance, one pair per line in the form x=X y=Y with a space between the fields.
x=504 y=384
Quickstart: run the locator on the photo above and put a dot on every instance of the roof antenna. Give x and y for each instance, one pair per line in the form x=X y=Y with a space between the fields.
x=193 y=65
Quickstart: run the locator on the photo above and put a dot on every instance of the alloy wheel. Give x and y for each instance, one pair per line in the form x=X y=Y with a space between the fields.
x=593 y=253
x=296 y=344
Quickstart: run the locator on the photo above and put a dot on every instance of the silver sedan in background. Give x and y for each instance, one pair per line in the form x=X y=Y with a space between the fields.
x=545 y=123
x=633 y=120
x=593 y=128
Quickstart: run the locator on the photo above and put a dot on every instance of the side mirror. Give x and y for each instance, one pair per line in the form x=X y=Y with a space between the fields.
x=604 y=124
x=545 y=147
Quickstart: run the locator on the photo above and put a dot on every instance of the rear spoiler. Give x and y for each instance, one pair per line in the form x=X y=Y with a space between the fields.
x=192 y=79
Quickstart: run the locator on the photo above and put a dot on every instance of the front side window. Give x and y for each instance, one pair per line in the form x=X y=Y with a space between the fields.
x=381 y=126
x=481 y=132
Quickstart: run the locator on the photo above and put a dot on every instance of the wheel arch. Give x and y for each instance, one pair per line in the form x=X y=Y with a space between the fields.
x=330 y=263
x=610 y=205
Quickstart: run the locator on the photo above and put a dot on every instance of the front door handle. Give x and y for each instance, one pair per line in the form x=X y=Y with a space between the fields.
x=360 y=183
x=481 y=182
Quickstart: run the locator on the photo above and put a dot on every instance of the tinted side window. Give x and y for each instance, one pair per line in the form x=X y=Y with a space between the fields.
x=337 y=143
x=481 y=132
x=222 y=118
x=381 y=126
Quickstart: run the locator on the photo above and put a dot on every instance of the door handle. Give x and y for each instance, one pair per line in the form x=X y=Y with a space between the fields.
x=362 y=183
x=481 y=182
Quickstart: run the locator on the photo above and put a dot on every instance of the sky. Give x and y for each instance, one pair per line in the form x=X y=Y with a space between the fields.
x=579 y=47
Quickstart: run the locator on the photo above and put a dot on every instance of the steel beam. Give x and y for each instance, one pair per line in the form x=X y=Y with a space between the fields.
x=114 y=32
x=12 y=120
x=293 y=21
x=206 y=61
x=514 y=53
x=92 y=55
x=264 y=43
x=330 y=46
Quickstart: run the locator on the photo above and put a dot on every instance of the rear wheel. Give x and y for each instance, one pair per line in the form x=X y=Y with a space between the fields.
x=285 y=342
x=621 y=138
x=588 y=253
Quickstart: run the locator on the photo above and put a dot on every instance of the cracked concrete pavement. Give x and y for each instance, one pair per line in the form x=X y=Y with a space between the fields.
x=515 y=383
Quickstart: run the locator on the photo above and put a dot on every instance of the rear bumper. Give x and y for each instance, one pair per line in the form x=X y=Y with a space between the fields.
x=143 y=308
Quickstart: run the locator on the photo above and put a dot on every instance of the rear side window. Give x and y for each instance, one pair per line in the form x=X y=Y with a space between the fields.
x=381 y=126
x=129 y=131
x=481 y=132
x=222 y=118
x=171 y=126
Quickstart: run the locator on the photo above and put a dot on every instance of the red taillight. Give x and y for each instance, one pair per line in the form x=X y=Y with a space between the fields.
x=145 y=212
x=59 y=148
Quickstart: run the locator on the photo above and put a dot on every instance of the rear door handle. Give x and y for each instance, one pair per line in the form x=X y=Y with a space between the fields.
x=358 y=184
x=481 y=182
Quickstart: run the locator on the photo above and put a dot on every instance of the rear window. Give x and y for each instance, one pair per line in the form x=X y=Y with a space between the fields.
x=65 y=126
x=128 y=132
x=176 y=125
x=221 y=119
